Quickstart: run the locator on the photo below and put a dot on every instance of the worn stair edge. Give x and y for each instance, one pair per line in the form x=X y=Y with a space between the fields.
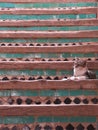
x=50 y=49
x=58 y=23
x=39 y=11
x=47 y=34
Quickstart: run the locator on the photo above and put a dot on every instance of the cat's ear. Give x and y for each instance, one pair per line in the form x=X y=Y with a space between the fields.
x=76 y=61
x=76 y=58
x=85 y=62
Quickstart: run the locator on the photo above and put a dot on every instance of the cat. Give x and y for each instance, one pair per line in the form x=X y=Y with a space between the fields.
x=81 y=71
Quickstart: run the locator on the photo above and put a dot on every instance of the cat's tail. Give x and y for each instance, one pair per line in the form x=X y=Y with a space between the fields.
x=90 y=75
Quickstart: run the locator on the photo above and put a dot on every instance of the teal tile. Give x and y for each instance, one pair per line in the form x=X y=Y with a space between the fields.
x=66 y=72
x=18 y=120
x=50 y=72
x=46 y=93
x=7 y=5
x=90 y=119
x=44 y=119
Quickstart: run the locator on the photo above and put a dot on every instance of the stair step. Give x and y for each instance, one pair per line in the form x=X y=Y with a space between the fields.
x=49 y=110
x=47 y=34
x=49 y=48
x=48 y=1
x=34 y=11
x=55 y=22
x=31 y=65
x=49 y=84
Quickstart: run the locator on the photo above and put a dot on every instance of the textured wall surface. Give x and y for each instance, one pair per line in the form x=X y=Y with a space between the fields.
x=31 y=119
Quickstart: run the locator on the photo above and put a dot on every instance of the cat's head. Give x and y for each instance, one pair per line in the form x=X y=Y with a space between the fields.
x=80 y=63
x=80 y=67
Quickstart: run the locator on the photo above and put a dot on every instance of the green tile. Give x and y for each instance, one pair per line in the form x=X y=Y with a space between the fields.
x=18 y=120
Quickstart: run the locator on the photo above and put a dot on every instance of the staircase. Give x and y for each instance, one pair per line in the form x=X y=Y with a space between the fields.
x=39 y=40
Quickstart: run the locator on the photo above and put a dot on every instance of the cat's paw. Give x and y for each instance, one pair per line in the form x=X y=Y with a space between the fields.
x=73 y=78
x=78 y=78
x=64 y=79
x=42 y=80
